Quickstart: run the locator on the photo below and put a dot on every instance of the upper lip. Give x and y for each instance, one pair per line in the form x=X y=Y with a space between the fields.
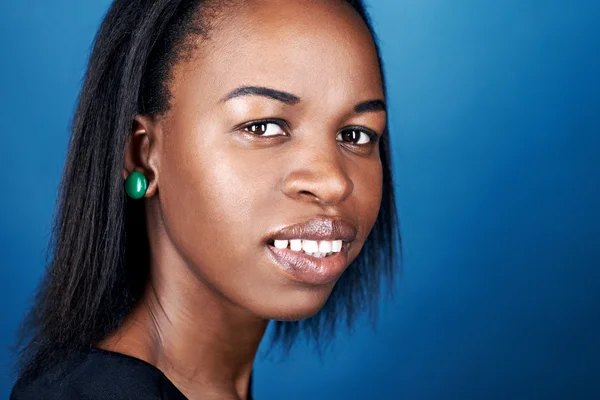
x=318 y=228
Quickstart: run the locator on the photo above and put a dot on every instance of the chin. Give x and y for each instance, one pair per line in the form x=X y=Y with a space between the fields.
x=295 y=305
x=296 y=315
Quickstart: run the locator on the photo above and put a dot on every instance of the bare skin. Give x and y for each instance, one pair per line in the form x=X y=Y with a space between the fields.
x=216 y=189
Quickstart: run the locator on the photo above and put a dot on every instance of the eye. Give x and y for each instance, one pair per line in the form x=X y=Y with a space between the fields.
x=356 y=136
x=264 y=128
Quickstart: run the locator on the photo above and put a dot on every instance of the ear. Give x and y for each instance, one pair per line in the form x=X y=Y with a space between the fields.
x=142 y=150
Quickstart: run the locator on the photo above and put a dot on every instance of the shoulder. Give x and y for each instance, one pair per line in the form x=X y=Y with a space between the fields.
x=97 y=375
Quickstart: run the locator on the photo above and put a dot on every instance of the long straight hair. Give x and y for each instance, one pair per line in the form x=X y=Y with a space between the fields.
x=98 y=255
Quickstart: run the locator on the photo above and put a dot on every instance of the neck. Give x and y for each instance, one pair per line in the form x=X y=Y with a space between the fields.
x=200 y=340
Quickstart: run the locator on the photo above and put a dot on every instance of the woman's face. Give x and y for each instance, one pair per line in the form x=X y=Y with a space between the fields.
x=269 y=126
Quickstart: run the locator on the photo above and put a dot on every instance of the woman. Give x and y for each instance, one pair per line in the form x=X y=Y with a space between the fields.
x=229 y=165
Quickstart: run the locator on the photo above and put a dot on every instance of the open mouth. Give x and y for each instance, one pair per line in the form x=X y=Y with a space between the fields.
x=314 y=252
x=313 y=248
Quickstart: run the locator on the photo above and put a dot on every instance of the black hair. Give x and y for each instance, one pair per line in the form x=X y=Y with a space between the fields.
x=98 y=254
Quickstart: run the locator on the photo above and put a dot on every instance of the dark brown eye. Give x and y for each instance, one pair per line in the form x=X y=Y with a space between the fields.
x=354 y=136
x=258 y=128
x=265 y=129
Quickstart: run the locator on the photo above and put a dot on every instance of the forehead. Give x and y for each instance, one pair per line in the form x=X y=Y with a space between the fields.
x=308 y=47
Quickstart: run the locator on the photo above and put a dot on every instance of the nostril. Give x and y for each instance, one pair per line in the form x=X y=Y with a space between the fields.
x=308 y=194
x=323 y=186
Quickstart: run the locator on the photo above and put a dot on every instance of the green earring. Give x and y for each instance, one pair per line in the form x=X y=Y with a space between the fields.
x=136 y=185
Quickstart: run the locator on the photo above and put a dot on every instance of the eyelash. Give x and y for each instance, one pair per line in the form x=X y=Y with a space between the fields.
x=372 y=135
x=281 y=123
x=285 y=126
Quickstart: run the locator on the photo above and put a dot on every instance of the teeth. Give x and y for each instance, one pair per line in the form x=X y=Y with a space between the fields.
x=315 y=248
x=296 y=244
x=336 y=246
x=325 y=246
x=281 y=244
x=310 y=246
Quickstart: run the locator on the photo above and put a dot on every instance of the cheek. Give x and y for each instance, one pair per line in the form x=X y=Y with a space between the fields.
x=368 y=186
x=210 y=193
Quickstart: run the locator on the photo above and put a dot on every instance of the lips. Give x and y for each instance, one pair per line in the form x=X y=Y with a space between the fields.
x=319 y=228
x=304 y=267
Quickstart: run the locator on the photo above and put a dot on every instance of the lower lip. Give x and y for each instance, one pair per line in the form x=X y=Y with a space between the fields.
x=309 y=269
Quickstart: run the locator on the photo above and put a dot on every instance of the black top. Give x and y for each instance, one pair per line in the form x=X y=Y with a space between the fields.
x=98 y=374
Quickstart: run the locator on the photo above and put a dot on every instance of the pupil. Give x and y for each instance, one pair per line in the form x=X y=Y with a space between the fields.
x=351 y=136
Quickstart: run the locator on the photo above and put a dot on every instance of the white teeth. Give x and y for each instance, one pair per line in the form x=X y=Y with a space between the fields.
x=324 y=246
x=310 y=246
x=281 y=244
x=315 y=248
x=336 y=246
x=296 y=244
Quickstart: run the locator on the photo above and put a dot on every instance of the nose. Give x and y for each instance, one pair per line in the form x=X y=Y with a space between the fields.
x=317 y=174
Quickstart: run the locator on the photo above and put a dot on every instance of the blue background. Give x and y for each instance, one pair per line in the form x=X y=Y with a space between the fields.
x=496 y=135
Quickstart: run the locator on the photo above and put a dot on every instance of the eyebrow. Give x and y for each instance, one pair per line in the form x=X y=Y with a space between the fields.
x=370 y=105
x=291 y=99
x=284 y=97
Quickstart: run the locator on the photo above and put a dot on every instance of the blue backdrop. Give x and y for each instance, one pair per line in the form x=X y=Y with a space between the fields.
x=496 y=140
